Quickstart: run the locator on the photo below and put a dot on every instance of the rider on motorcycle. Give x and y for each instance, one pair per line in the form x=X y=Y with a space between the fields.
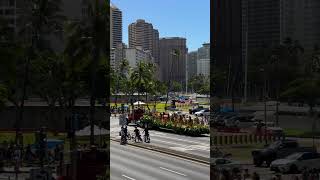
x=146 y=133
x=137 y=132
x=123 y=135
x=125 y=129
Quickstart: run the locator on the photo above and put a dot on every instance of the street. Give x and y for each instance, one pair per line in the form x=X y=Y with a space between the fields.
x=127 y=162
x=194 y=145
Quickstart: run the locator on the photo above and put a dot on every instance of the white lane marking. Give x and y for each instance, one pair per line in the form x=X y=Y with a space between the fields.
x=192 y=148
x=128 y=177
x=174 y=143
x=173 y=171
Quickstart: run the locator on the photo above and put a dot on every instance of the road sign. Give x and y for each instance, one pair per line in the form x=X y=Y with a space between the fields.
x=123 y=119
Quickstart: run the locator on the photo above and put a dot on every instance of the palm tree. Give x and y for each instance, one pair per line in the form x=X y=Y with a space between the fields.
x=88 y=40
x=121 y=78
x=42 y=18
x=47 y=79
x=141 y=76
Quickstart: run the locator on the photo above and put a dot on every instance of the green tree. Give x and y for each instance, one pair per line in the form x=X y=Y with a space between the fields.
x=47 y=79
x=141 y=76
x=87 y=40
x=282 y=64
x=176 y=87
x=121 y=78
x=307 y=87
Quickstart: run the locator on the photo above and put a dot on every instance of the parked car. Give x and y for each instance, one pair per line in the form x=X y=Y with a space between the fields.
x=277 y=150
x=296 y=162
x=239 y=121
x=225 y=164
x=199 y=108
x=221 y=118
x=202 y=112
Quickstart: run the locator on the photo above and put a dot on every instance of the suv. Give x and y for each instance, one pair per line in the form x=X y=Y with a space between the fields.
x=277 y=150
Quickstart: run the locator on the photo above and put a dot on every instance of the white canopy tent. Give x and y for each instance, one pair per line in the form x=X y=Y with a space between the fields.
x=139 y=103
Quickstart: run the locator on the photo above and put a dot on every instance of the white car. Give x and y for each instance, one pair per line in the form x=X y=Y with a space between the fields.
x=225 y=164
x=297 y=162
x=202 y=112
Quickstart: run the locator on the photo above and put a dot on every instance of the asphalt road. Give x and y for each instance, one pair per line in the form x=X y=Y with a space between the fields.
x=131 y=163
x=194 y=145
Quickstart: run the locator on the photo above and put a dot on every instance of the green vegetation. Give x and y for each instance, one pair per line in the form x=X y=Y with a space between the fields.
x=200 y=84
x=190 y=128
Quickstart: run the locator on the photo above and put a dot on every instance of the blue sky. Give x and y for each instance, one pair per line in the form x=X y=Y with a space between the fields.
x=173 y=18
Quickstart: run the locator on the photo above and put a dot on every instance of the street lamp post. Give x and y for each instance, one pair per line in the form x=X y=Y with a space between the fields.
x=262 y=70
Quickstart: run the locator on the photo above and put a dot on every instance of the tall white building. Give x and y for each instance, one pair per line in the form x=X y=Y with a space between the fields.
x=135 y=55
x=203 y=60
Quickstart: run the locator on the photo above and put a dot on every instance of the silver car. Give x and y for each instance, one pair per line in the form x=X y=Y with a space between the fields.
x=297 y=162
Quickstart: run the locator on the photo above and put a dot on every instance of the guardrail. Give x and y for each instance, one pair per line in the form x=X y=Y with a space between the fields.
x=242 y=139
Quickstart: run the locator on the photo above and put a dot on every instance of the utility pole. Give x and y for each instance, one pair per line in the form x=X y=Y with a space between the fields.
x=187 y=73
x=246 y=72
x=246 y=59
x=265 y=104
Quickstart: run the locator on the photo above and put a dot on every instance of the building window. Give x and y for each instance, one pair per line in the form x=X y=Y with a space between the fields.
x=11 y=2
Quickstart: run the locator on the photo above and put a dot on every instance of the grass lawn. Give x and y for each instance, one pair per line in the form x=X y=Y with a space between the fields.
x=242 y=153
x=301 y=133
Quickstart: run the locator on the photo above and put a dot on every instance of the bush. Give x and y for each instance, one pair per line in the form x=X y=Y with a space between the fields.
x=183 y=130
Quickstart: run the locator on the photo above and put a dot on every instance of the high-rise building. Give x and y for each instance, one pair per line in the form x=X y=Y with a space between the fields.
x=300 y=20
x=173 y=53
x=226 y=44
x=135 y=55
x=16 y=12
x=143 y=35
x=192 y=64
x=117 y=55
x=261 y=22
x=8 y=11
x=269 y=22
x=203 y=60
x=115 y=26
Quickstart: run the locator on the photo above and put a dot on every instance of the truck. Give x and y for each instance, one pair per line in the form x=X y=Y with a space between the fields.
x=277 y=150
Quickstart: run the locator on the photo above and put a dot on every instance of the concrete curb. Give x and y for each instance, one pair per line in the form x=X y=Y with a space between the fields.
x=182 y=155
